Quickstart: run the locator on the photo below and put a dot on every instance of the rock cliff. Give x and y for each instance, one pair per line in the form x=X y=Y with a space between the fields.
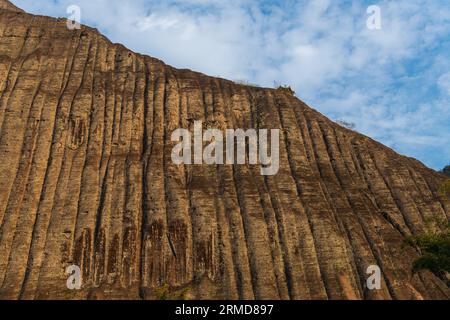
x=86 y=178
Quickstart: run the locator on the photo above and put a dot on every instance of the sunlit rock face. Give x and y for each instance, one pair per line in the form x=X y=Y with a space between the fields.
x=87 y=180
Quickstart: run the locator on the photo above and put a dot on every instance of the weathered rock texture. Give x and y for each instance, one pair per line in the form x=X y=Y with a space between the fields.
x=86 y=178
x=6 y=5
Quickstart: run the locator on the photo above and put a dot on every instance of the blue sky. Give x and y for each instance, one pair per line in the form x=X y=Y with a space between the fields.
x=393 y=83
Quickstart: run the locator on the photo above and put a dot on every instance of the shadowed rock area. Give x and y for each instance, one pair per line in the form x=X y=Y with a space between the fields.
x=86 y=178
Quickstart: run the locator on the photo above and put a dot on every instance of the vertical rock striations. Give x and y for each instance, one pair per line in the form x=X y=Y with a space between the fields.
x=86 y=178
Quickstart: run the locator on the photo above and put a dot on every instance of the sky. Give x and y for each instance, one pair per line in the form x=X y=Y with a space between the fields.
x=392 y=82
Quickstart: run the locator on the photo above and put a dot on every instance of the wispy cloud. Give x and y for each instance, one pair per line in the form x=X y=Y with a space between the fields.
x=394 y=83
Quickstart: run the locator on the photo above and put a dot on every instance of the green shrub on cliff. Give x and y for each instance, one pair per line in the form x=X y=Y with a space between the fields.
x=165 y=293
x=286 y=89
x=435 y=249
x=434 y=246
x=446 y=171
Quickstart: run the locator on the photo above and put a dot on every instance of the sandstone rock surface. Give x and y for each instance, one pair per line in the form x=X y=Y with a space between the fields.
x=86 y=178
x=6 y=5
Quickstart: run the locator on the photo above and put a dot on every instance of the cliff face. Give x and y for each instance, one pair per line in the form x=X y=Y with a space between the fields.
x=87 y=179
x=6 y=5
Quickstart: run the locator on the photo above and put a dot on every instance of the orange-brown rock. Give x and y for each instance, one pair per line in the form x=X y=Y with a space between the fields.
x=86 y=178
x=6 y=5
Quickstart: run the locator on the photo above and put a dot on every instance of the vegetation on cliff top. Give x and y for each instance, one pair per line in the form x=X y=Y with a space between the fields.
x=286 y=89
